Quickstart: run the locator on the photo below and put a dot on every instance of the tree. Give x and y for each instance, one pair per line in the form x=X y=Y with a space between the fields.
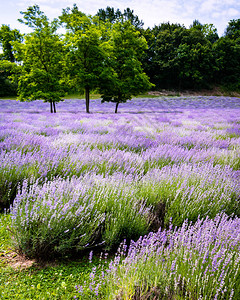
x=233 y=29
x=227 y=55
x=7 y=59
x=8 y=85
x=208 y=30
x=86 y=41
x=179 y=57
x=123 y=76
x=7 y=37
x=109 y=14
x=42 y=55
x=194 y=59
x=195 y=65
x=163 y=42
x=112 y=16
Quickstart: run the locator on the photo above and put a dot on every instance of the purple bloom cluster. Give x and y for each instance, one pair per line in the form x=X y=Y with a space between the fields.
x=76 y=181
x=199 y=261
x=64 y=216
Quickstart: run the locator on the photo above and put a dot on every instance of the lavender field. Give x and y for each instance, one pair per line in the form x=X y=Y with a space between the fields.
x=161 y=179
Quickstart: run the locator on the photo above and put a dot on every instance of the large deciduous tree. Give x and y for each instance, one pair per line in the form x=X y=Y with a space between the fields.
x=194 y=59
x=233 y=29
x=86 y=41
x=7 y=37
x=163 y=42
x=180 y=57
x=227 y=53
x=7 y=59
x=111 y=15
x=8 y=87
x=123 y=76
x=42 y=55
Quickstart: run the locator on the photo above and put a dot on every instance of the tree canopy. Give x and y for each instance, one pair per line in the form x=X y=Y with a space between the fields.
x=42 y=55
x=113 y=54
x=233 y=29
x=7 y=37
x=124 y=76
x=86 y=49
x=116 y=16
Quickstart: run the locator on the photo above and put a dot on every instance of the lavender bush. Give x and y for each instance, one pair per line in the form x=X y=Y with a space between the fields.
x=62 y=217
x=199 y=261
x=190 y=191
x=158 y=160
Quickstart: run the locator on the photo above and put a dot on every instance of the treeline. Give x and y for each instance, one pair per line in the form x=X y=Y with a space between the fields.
x=113 y=54
x=193 y=58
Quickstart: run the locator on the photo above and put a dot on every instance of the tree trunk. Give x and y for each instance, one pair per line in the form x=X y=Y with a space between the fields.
x=87 y=91
x=54 y=107
x=51 y=106
x=116 y=108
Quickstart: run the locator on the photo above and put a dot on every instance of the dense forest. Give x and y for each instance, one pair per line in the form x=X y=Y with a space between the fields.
x=113 y=54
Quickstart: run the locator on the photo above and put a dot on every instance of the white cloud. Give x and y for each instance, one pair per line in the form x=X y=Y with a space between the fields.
x=208 y=6
x=233 y=12
x=152 y=12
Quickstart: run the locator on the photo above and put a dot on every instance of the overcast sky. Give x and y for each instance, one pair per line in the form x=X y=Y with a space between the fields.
x=152 y=12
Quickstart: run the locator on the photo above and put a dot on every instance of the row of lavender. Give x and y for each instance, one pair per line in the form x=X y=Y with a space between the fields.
x=199 y=261
x=137 y=105
x=80 y=181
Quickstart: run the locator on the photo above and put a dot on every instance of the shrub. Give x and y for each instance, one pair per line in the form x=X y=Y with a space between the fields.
x=65 y=216
x=199 y=261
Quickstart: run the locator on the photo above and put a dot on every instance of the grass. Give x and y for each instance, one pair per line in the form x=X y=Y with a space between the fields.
x=216 y=91
x=8 y=97
x=92 y=96
x=4 y=234
x=98 y=96
x=82 y=96
x=55 y=280
x=106 y=160
x=50 y=282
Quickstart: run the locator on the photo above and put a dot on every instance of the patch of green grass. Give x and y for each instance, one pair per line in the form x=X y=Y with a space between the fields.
x=82 y=96
x=56 y=281
x=4 y=233
x=8 y=98
x=98 y=96
x=146 y=96
x=52 y=282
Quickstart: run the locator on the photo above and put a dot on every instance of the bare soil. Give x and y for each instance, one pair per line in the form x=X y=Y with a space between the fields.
x=20 y=262
x=213 y=92
x=15 y=260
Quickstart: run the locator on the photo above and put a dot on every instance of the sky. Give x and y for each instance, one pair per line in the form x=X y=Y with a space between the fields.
x=151 y=12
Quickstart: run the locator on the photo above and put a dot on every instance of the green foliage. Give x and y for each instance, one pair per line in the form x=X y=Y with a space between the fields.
x=209 y=30
x=8 y=78
x=5 y=238
x=123 y=76
x=43 y=60
x=111 y=15
x=7 y=37
x=179 y=57
x=83 y=59
x=86 y=49
x=227 y=53
x=233 y=29
x=7 y=59
x=195 y=65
